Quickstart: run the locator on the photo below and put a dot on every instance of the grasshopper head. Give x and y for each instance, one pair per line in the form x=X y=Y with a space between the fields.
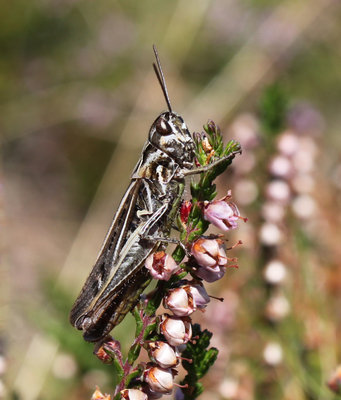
x=170 y=134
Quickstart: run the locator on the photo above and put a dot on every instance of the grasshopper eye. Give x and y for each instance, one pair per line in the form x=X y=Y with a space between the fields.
x=163 y=127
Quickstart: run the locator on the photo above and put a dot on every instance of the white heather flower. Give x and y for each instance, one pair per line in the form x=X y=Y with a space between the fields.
x=161 y=265
x=133 y=394
x=304 y=206
x=176 y=330
x=281 y=167
x=160 y=380
x=163 y=354
x=288 y=143
x=275 y=272
x=273 y=353
x=277 y=308
x=179 y=301
x=278 y=190
x=270 y=235
x=273 y=211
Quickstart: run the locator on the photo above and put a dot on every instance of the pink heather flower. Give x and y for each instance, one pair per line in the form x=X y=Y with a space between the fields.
x=281 y=167
x=179 y=301
x=187 y=298
x=176 y=330
x=200 y=296
x=222 y=214
x=160 y=380
x=163 y=354
x=133 y=394
x=210 y=274
x=209 y=252
x=161 y=265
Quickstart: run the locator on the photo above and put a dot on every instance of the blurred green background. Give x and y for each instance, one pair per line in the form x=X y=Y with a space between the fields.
x=77 y=97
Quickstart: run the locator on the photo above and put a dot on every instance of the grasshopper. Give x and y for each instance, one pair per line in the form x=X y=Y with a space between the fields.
x=141 y=224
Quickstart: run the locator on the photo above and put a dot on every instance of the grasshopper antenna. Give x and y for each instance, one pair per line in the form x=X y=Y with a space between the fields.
x=161 y=78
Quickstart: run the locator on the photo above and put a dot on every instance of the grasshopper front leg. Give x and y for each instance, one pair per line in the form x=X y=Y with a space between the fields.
x=186 y=172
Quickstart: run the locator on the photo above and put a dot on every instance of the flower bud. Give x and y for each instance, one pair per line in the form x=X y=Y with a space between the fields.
x=163 y=354
x=222 y=214
x=98 y=395
x=176 y=330
x=107 y=350
x=209 y=252
x=185 y=210
x=159 y=379
x=133 y=394
x=179 y=301
x=161 y=265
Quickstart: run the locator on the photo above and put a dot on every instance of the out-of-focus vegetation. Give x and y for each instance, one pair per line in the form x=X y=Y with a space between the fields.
x=77 y=97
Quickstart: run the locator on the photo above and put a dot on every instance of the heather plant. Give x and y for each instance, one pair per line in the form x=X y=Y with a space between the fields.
x=171 y=338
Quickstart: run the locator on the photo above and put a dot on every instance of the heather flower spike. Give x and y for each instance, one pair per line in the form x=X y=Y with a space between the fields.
x=172 y=339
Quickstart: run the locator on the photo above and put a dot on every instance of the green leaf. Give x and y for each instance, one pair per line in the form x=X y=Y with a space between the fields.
x=202 y=359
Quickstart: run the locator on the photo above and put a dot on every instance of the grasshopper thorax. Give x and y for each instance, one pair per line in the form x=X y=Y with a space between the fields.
x=170 y=134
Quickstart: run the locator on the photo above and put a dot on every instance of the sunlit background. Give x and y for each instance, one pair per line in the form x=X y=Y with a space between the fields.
x=78 y=95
